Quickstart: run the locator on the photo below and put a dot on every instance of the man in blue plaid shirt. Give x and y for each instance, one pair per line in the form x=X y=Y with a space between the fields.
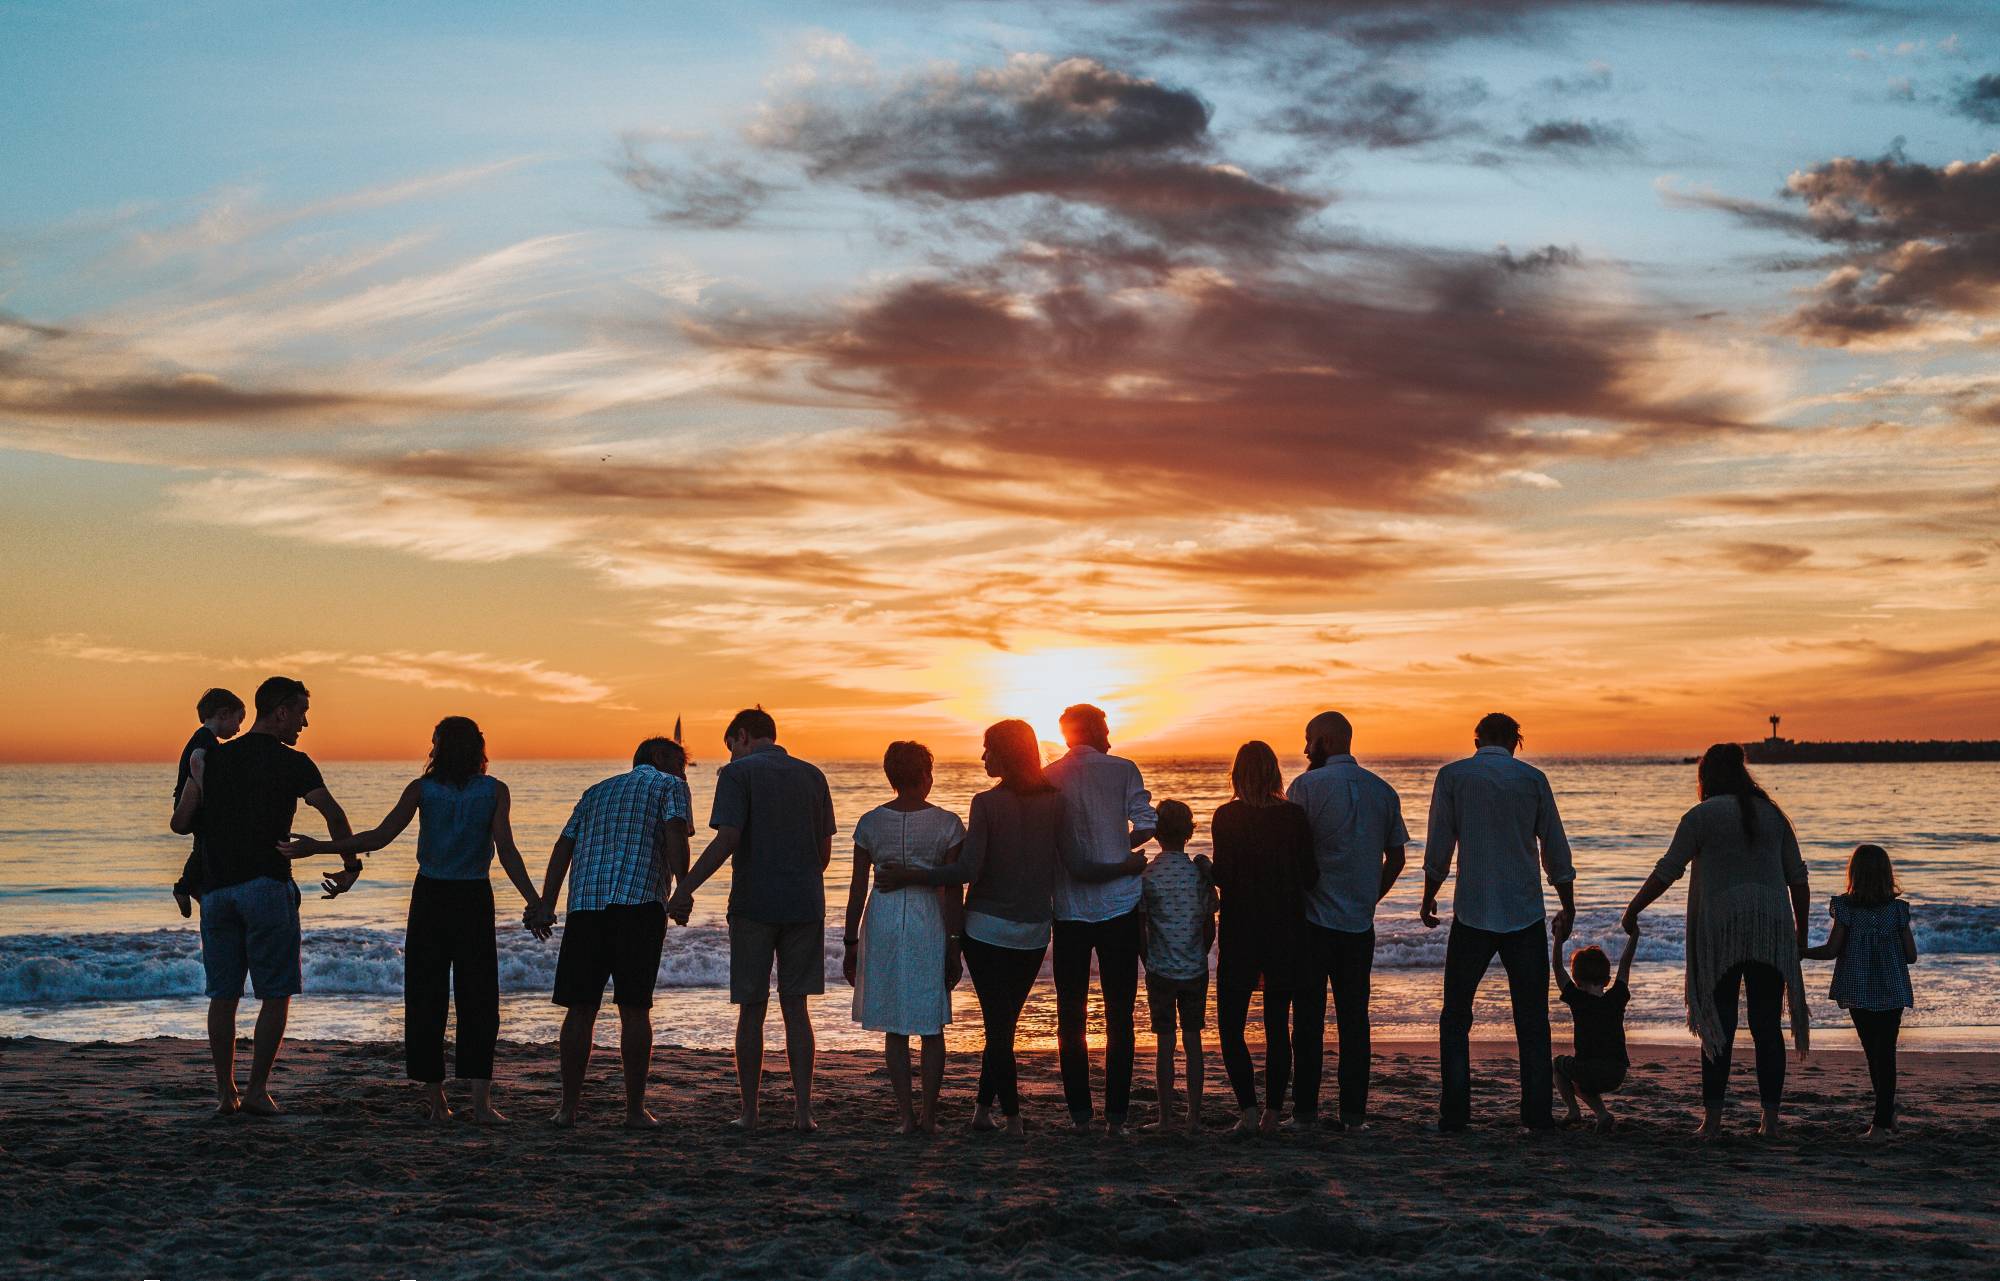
x=627 y=837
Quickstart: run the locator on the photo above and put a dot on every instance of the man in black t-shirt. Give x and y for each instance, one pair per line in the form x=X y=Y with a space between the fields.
x=247 y=793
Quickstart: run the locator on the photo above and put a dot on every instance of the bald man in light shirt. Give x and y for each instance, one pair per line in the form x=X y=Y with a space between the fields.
x=1499 y=816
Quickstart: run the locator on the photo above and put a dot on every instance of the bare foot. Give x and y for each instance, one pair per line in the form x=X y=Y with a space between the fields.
x=260 y=1103
x=982 y=1122
x=805 y=1124
x=437 y=1112
x=929 y=1125
x=1077 y=1126
x=1711 y=1125
x=1770 y=1127
x=227 y=1107
x=1607 y=1124
x=1571 y=1119
x=1114 y=1129
x=907 y=1126
x=184 y=903
x=642 y=1119
x=747 y=1123
x=1245 y=1127
x=1271 y=1122
x=1016 y=1127
x=1880 y=1131
x=564 y=1118
x=1154 y=1126
x=488 y=1115
x=1194 y=1125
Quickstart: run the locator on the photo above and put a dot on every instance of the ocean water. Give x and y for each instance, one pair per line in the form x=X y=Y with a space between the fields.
x=92 y=948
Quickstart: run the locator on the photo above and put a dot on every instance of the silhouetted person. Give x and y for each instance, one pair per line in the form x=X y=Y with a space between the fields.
x=1872 y=948
x=1743 y=938
x=1017 y=841
x=221 y=716
x=902 y=945
x=1110 y=815
x=1264 y=868
x=1597 y=1062
x=1499 y=816
x=1358 y=841
x=773 y=814
x=624 y=842
x=450 y=952
x=247 y=794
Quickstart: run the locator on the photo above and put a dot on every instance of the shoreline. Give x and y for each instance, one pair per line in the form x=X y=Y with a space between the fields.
x=111 y=1167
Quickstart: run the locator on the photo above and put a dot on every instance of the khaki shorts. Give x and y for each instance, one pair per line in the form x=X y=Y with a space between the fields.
x=798 y=948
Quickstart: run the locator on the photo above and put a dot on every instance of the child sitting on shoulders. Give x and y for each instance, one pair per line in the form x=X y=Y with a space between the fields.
x=1871 y=947
x=221 y=714
x=1597 y=1010
x=1178 y=907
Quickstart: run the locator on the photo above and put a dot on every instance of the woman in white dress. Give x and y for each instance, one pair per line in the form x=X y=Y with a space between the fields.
x=902 y=953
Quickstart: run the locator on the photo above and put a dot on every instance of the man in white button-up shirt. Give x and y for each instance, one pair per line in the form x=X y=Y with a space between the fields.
x=1358 y=839
x=1499 y=815
x=1110 y=815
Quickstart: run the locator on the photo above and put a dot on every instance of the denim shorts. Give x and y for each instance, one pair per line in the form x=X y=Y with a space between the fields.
x=252 y=928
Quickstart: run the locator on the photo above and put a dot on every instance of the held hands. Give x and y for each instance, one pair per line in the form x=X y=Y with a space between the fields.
x=850 y=959
x=539 y=919
x=893 y=876
x=1630 y=922
x=296 y=846
x=1428 y=913
x=1563 y=925
x=680 y=906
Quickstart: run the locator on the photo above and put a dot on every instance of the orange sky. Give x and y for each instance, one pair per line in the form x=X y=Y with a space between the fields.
x=903 y=378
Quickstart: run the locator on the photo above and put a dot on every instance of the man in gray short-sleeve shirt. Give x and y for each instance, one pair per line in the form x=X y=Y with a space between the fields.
x=773 y=814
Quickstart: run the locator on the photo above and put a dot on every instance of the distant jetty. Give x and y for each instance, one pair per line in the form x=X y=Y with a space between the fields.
x=1785 y=751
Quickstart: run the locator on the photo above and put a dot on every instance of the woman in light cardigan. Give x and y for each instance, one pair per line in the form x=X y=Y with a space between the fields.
x=1742 y=933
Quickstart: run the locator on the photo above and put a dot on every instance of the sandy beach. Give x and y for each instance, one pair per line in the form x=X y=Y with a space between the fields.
x=112 y=1169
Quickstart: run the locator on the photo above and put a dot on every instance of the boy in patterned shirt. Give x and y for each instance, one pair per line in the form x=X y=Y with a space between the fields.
x=1178 y=913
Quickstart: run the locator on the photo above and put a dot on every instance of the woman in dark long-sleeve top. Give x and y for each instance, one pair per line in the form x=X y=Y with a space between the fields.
x=1019 y=831
x=1264 y=865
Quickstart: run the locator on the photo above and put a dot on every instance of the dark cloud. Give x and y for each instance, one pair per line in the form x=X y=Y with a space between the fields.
x=50 y=373
x=1764 y=558
x=1403 y=384
x=1980 y=99
x=692 y=192
x=1392 y=24
x=1383 y=114
x=1358 y=560
x=504 y=478
x=1873 y=658
x=1073 y=131
x=1911 y=245
x=183 y=398
x=1583 y=84
x=1577 y=136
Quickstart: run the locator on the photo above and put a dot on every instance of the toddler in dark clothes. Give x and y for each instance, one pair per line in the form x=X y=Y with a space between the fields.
x=221 y=714
x=1597 y=1008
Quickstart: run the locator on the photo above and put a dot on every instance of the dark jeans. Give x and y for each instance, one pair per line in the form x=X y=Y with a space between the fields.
x=1525 y=954
x=450 y=952
x=1232 y=1011
x=1116 y=943
x=1341 y=960
x=1766 y=991
x=1879 y=1029
x=1003 y=977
